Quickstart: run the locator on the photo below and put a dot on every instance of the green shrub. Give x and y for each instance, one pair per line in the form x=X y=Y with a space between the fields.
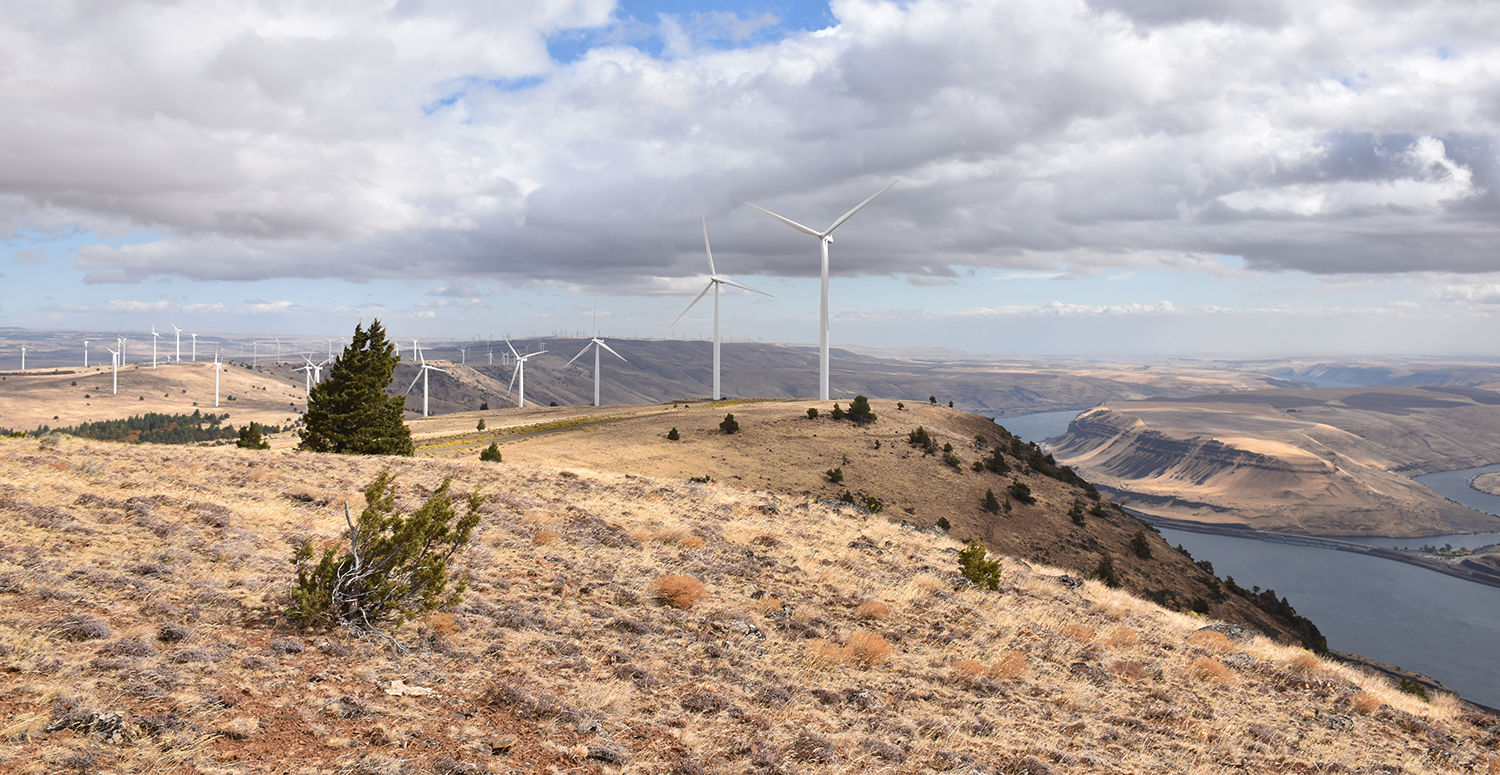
x=952 y=460
x=847 y=497
x=834 y=475
x=491 y=454
x=1140 y=545
x=484 y=406
x=812 y=413
x=250 y=437
x=950 y=404
x=932 y=400
x=976 y=466
x=729 y=425
x=1020 y=491
x=838 y=413
x=673 y=435
x=1415 y=689
x=944 y=523
x=859 y=411
x=1105 y=571
x=1076 y=513
x=395 y=566
x=991 y=503
x=873 y=504
x=972 y=563
x=922 y=439
x=480 y=426
x=900 y=407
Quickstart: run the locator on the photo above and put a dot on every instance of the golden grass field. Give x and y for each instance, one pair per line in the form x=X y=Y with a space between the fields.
x=619 y=622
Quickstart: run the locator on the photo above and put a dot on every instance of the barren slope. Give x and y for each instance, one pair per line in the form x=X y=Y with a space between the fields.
x=141 y=634
x=780 y=449
x=1334 y=461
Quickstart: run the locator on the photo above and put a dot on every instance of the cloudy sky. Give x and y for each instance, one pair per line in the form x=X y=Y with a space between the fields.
x=1076 y=176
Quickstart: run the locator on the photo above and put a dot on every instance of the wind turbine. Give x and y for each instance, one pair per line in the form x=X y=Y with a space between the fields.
x=308 y=374
x=218 y=367
x=115 y=361
x=463 y=356
x=278 y=349
x=422 y=375
x=154 y=336
x=714 y=281
x=179 y=341
x=254 y=353
x=23 y=357
x=824 y=238
x=194 y=335
x=520 y=371
x=596 y=343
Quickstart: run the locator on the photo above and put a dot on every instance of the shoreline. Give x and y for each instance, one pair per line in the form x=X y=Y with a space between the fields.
x=1245 y=531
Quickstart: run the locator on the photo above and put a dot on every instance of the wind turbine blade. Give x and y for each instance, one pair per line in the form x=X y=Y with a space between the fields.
x=512 y=348
x=434 y=368
x=513 y=373
x=846 y=216
x=695 y=300
x=727 y=281
x=580 y=353
x=611 y=350
x=788 y=221
x=414 y=381
x=707 y=249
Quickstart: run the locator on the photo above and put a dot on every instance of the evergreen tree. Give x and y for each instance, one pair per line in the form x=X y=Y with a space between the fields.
x=491 y=454
x=673 y=435
x=991 y=503
x=350 y=411
x=976 y=567
x=250 y=437
x=730 y=425
x=859 y=411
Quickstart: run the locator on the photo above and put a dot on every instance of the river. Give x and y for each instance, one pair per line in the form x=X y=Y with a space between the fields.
x=1388 y=611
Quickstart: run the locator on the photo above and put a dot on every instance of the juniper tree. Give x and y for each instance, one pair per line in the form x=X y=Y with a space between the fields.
x=859 y=411
x=350 y=412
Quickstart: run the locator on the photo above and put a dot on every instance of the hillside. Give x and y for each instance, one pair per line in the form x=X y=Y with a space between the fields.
x=779 y=449
x=1332 y=461
x=141 y=634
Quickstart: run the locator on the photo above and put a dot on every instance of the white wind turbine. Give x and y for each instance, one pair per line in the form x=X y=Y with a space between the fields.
x=23 y=357
x=278 y=349
x=714 y=281
x=218 y=367
x=115 y=360
x=179 y=341
x=422 y=375
x=154 y=336
x=520 y=371
x=596 y=343
x=308 y=374
x=824 y=238
x=85 y=353
x=194 y=335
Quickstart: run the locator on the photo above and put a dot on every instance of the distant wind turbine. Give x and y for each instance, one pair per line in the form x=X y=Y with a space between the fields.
x=824 y=238
x=422 y=375
x=520 y=371
x=218 y=367
x=278 y=349
x=115 y=360
x=308 y=374
x=154 y=336
x=194 y=335
x=85 y=353
x=179 y=341
x=23 y=357
x=714 y=281
x=596 y=343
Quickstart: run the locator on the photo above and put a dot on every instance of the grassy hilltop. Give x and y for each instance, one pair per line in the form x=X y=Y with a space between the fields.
x=622 y=622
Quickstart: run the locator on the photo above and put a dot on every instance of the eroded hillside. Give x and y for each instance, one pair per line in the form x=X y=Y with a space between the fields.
x=1333 y=461
x=141 y=633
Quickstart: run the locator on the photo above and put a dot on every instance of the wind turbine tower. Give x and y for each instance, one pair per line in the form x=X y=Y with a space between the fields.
x=422 y=375
x=825 y=237
x=115 y=360
x=194 y=335
x=85 y=353
x=520 y=371
x=154 y=336
x=596 y=343
x=218 y=367
x=23 y=357
x=714 y=281
x=179 y=341
x=308 y=379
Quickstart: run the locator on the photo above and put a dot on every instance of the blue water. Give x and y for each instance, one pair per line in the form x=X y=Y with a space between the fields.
x=1038 y=427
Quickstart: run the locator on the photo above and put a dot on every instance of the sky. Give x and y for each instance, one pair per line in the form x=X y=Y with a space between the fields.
x=1179 y=177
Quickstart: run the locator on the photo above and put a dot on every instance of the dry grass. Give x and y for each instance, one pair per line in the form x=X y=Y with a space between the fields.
x=564 y=657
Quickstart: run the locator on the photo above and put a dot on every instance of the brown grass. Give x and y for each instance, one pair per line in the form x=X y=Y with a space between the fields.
x=677 y=591
x=873 y=609
x=1121 y=636
x=1214 y=642
x=1009 y=666
x=1210 y=671
x=1079 y=632
x=969 y=668
x=544 y=538
x=1363 y=703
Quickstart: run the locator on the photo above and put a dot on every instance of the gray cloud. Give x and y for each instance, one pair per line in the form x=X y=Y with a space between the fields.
x=439 y=140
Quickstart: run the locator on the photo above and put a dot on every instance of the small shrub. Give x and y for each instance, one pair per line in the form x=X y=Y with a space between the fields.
x=835 y=475
x=480 y=426
x=991 y=503
x=484 y=406
x=491 y=454
x=1105 y=572
x=873 y=504
x=932 y=400
x=868 y=649
x=974 y=566
x=943 y=523
x=1210 y=670
x=812 y=413
x=170 y=632
x=950 y=404
x=1364 y=704
x=729 y=425
x=969 y=668
x=847 y=497
x=250 y=437
x=677 y=591
x=544 y=538
x=1020 y=491
x=80 y=627
x=1076 y=513
x=1212 y=640
x=873 y=609
x=1140 y=545
x=920 y=438
x=952 y=460
x=859 y=411
x=900 y=407
x=673 y=435
x=838 y=413
x=395 y=566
